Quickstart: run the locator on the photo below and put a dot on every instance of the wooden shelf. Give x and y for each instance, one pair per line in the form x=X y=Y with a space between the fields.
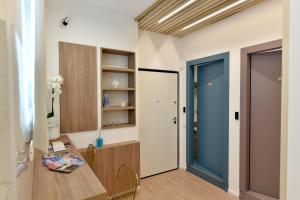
x=119 y=64
x=106 y=68
x=125 y=125
x=118 y=89
x=117 y=52
x=116 y=108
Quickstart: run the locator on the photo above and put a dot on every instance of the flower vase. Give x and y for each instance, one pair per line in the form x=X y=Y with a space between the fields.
x=53 y=128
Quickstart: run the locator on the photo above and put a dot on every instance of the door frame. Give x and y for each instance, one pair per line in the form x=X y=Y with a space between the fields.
x=222 y=183
x=178 y=104
x=245 y=103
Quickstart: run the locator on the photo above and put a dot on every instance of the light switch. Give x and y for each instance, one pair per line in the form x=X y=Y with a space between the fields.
x=236 y=116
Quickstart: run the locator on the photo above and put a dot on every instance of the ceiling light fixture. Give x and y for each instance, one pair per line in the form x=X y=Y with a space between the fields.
x=176 y=11
x=214 y=14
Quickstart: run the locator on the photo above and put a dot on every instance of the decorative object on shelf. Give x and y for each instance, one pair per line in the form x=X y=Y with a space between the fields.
x=115 y=83
x=99 y=141
x=106 y=101
x=123 y=104
x=112 y=124
x=106 y=124
x=55 y=84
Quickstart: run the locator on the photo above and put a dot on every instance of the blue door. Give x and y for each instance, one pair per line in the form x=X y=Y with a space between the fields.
x=209 y=157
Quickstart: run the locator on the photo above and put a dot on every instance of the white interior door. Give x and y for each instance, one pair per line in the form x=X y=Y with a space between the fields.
x=158 y=132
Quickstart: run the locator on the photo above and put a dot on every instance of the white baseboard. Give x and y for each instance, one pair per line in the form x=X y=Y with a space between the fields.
x=182 y=167
x=233 y=193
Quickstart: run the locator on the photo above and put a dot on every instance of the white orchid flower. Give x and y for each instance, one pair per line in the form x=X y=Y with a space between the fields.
x=55 y=84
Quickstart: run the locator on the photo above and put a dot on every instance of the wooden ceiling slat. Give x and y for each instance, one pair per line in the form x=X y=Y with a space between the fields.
x=217 y=18
x=198 y=6
x=151 y=14
x=198 y=15
x=187 y=17
x=148 y=10
x=154 y=23
x=159 y=11
x=148 y=20
x=211 y=21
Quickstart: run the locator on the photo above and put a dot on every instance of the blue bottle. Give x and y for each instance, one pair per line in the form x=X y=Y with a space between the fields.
x=106 y=101
x=99 y=141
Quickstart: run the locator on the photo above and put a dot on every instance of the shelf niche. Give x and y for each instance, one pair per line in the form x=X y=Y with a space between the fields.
x=118 y=65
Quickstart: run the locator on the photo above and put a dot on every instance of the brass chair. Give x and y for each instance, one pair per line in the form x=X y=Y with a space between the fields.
x=90 y=155
x=125 y=184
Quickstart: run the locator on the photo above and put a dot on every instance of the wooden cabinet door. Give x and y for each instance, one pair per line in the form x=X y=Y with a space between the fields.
x=106 y=166
x=110 y=157
x=78 y=102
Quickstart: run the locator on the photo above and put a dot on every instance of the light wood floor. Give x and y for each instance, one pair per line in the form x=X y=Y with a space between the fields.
x=179 y=185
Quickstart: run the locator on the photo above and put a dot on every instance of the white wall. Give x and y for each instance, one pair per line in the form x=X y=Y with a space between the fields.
x=3 y=9
x=90 y=26
x=291 y=102
x=256 y=25
x=158 y=51
x=5 y=129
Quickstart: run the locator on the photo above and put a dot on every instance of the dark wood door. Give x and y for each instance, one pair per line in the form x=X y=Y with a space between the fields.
x=265 y=119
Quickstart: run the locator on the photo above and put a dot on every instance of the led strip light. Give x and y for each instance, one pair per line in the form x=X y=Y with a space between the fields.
x=214 y=14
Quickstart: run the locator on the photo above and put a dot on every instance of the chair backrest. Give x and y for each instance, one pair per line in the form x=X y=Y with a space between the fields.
x=90 y=155
x=125 y=184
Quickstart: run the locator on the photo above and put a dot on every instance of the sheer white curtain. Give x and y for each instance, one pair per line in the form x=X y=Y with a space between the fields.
x=32 y=78
x=26 y=65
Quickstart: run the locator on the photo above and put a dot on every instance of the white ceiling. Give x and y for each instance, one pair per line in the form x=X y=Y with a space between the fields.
x=128 y=7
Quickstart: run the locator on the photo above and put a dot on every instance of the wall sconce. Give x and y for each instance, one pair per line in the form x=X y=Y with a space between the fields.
x=65 y=22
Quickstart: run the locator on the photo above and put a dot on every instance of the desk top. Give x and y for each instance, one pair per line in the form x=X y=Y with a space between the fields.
x=81 y=184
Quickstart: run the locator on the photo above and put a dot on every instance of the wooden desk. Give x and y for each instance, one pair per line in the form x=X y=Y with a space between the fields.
x=81 y=184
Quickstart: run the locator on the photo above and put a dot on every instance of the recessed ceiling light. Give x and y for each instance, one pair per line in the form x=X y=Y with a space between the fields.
x=176 y=11
x=214 y=14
